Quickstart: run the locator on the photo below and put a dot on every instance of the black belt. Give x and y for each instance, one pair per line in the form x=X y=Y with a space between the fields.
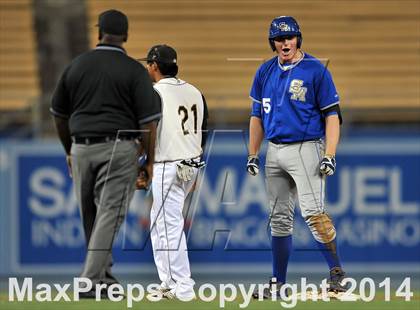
x=95 y=140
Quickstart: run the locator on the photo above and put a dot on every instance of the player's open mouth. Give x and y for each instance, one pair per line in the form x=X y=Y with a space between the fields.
x=285 y=50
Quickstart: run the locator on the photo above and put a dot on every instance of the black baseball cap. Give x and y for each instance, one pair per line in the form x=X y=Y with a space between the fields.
x=162 y=54
x=113 y=22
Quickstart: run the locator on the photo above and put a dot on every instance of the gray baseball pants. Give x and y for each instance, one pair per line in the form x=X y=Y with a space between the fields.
x=104 y=178
x=292 y=172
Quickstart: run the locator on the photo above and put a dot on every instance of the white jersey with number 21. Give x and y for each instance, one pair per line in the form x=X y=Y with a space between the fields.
x=179 y=129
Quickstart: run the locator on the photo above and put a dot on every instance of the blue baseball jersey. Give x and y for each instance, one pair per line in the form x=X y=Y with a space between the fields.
x=290 y=100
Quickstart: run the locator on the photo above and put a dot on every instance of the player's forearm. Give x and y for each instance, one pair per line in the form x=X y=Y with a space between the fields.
x=63 y=130
x=148 y=138
x=332 y=134
x=256 y=135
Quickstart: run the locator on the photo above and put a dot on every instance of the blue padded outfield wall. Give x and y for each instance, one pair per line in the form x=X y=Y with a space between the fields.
x=374 y=199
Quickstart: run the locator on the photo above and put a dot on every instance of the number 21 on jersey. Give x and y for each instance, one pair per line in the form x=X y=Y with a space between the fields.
x=183 y=111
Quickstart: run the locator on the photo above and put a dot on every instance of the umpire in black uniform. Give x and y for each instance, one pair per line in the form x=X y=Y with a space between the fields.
x=101 y=98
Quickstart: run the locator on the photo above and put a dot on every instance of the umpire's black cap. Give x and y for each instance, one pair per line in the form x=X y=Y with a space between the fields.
x=113 y=22
x=162 y=54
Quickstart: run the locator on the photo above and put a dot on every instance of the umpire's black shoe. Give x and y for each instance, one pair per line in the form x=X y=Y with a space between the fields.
x=92 y=294
x=336 y=281
x=87 y=295
x=267 y=292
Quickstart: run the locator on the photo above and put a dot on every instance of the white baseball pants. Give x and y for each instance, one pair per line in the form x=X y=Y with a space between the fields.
x=167 y=229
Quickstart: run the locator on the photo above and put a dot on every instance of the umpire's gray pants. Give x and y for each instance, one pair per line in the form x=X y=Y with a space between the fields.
x=104 y=179
x=292 y=171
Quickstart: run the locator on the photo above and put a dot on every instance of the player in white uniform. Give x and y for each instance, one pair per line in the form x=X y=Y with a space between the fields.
x=179 y=146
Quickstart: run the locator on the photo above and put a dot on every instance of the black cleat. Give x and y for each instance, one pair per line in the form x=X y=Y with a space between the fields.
x=336 y=278
x=267 y=292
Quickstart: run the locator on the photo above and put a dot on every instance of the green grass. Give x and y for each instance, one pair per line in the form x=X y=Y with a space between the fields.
x=377 y=304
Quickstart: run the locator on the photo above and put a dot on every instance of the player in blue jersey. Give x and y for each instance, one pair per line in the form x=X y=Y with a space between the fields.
x=296 y=108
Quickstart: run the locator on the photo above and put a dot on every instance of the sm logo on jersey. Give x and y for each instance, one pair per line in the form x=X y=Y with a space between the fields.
x=298 y=92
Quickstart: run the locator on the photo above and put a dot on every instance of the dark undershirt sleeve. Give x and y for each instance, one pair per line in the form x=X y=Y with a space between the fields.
x=204 y=132
x=335 y=109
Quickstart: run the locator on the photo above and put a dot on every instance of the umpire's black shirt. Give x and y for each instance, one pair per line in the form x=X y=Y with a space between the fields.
x=103 y=91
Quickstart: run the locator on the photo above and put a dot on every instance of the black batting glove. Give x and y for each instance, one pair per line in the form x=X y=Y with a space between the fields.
x=328 y=165
x=253 y=164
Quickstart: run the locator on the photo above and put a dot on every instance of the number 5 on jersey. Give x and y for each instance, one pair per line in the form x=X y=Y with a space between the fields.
x=266 y=105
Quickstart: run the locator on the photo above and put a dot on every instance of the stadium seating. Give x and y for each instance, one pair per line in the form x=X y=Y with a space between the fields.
x=372 y=46
x=19 y=84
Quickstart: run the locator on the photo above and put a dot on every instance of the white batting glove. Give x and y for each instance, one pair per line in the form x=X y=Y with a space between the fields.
x=252 y=166
x=185 y=168
x=328 y=165
x=184 y=172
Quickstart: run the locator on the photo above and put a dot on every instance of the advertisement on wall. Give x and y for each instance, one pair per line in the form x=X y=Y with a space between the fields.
x=373 y=199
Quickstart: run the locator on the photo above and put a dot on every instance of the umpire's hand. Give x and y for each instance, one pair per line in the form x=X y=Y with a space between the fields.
x=253 y=164
x=328 y=165
x=144 y=177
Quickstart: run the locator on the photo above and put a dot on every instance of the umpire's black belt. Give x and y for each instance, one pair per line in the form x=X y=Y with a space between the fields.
x=95 y=140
